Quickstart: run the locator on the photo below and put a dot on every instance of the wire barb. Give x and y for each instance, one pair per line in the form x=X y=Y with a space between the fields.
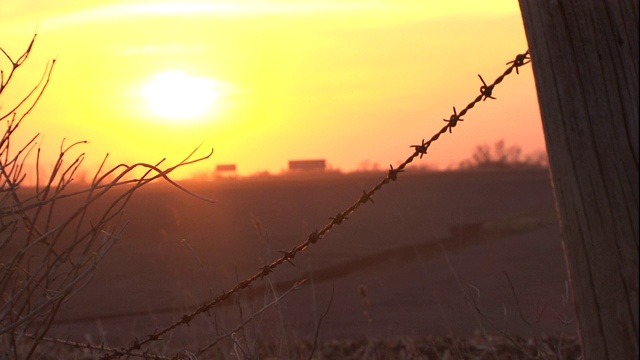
x=422 y=148
x=520 y=60
x=339 y=218
x=265 y=270
x=485 y=89
x=366 y=197
x=287 y=256
x=314 y=236
x=393 y=173
x=453 y=121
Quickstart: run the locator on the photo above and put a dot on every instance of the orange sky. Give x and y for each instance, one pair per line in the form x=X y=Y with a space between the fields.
x=347 y=81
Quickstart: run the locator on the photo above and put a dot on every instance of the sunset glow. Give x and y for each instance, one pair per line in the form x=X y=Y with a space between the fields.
x=266 y=81
x=176 y=95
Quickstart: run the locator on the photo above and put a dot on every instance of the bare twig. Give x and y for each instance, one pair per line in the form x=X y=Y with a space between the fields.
x=49 y=258
x=324 y=314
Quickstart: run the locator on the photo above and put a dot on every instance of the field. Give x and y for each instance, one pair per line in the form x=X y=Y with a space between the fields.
x=460 y=254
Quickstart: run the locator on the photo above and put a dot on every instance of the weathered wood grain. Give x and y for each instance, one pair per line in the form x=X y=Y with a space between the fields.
x=585 y=62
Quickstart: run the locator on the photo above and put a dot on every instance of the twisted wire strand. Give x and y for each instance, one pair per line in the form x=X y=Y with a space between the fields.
x=367 y=196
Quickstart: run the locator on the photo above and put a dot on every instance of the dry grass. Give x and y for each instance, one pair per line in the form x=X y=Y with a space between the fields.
x=55 y=237
x=400 y=348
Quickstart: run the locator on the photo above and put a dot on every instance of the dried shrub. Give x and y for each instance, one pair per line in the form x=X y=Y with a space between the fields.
x=46 y=255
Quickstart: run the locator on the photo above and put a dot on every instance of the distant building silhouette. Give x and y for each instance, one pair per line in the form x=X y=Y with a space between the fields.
x=225 y=167
x=225 y=170
x=307 y=165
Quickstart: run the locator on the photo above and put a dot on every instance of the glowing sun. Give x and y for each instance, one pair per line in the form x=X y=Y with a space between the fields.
x=175 y=94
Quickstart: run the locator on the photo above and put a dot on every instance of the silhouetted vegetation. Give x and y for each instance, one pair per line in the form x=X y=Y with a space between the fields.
x=48 y=255
x=500 y=156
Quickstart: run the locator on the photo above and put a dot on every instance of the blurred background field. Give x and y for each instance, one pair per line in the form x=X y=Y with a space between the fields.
x=387 y=266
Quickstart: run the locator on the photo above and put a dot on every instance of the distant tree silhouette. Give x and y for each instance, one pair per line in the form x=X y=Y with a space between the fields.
x=501 y=156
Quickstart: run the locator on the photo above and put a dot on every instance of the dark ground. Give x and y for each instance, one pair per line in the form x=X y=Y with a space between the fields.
x=438 y=254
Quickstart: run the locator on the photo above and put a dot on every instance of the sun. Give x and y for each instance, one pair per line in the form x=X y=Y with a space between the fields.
x=176 y=95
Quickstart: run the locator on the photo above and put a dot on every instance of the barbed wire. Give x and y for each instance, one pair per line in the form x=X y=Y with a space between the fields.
x=486 y=92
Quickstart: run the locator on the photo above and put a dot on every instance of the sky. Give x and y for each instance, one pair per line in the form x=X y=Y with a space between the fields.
x=264 y=82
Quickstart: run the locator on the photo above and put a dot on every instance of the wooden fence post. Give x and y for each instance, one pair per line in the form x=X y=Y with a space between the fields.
x=585 y=62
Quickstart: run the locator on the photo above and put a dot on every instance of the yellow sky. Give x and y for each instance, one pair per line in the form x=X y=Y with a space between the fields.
x=347 y=81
